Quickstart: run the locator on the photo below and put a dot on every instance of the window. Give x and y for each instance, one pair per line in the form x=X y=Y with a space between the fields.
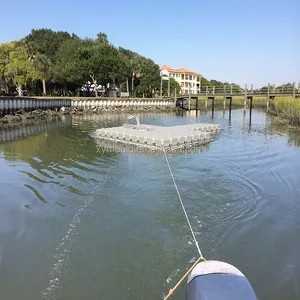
x=193 y=84
x=186 y=77
x=182 y=76
x=186 y=84
x=182 y=84
x=186 y=92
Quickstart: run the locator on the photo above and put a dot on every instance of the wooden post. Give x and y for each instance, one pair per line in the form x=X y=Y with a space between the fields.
x=294 y=90
x=132 y=79
x=200 y=85
x=245 y=96
x=175 y=100
x=231 y=89
x=251 y=98
x=213 y=104
x=230 y=107
x=206 y=92
x=189 y=97
x=268 y=97
x=196 y=104
x=224 y=97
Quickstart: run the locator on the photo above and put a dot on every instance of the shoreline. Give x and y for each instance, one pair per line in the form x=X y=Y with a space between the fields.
x=23 y=117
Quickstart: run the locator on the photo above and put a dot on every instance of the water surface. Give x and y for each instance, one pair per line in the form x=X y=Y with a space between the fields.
x=79 y=223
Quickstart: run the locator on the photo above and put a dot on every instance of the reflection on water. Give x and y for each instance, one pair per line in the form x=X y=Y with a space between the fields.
x=292 y=133
x=75 y=221
x=16 y=132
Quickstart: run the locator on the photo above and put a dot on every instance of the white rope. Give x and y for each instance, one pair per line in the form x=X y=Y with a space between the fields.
x=183 y=208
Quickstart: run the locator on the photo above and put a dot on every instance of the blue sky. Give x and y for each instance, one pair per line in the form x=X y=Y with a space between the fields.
x=243 y=41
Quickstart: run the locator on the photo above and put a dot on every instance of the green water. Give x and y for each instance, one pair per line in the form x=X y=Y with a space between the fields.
x=79 y=223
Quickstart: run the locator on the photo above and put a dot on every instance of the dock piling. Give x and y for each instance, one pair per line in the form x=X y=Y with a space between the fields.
x=189 y=97
x=251 y=102
x=245 y=96
x=268 y=97
x=294 y=90
x=224 y=97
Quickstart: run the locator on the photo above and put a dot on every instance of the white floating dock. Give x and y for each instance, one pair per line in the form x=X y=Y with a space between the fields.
x=160 y=136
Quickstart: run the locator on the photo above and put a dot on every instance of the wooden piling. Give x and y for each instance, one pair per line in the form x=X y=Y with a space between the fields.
x=189 y=97
x=196 y=104
x=294 y=90
x=230 y=106
x=224 y=97
x=268 y=97
x=200 y=85
x=245 y=96
x=175 y=97
x=251 y=102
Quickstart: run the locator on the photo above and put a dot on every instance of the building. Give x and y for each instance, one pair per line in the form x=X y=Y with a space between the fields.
x=188 y=80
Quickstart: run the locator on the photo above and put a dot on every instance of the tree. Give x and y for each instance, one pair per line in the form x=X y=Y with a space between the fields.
x=45 y=41
x=5 y=50
x=173 y=85
x=149 y=79
x=19 y=69
x=102 y=38
x=42 y=64
x=100 y=62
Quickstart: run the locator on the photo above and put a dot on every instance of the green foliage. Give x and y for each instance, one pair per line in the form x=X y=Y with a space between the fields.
x=70 y=63
x=15 y=67
x=173 y=85
x=102 y=38
x=45 y=41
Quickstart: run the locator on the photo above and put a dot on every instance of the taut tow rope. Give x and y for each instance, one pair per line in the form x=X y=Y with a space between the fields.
x=191 y=229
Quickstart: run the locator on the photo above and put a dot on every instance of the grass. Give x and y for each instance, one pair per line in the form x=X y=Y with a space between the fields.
x=288 y=110
x=237 y=102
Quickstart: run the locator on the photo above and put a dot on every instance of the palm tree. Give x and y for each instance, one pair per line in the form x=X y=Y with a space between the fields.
x=42 y=63
x=102 y=38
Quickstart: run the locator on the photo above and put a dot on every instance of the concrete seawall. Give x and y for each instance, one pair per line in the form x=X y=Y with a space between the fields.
x=8 y=105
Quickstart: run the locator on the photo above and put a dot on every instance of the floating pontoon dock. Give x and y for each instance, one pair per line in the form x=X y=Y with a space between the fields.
x=155 y=137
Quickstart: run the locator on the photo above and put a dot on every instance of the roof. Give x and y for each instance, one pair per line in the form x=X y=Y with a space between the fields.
x=181 y=70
